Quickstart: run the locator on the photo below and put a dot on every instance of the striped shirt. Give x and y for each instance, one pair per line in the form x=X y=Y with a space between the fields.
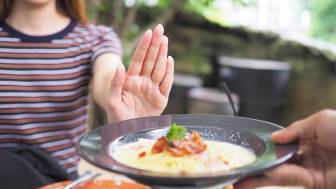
x=44 y=86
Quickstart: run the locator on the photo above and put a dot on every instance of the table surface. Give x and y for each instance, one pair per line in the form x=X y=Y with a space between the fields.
x=83 y=166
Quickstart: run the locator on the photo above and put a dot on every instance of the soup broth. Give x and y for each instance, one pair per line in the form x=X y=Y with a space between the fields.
x=218 y=156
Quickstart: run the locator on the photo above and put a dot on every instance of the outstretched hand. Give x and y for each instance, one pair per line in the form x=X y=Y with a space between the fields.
x=315 y=165
x=144 y=89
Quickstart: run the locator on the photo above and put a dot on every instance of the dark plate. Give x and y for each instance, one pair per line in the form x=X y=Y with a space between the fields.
x=254 y=134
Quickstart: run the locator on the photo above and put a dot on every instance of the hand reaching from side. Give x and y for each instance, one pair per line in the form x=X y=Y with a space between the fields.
x=315 y=165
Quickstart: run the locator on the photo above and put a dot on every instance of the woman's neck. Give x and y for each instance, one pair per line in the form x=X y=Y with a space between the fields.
x=36 y=20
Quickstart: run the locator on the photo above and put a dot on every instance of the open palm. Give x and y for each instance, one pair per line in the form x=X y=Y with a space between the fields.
x=144 y=89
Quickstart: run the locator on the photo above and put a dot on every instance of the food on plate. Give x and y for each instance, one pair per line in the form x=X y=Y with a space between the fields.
x=183 y=152
x=179 y=143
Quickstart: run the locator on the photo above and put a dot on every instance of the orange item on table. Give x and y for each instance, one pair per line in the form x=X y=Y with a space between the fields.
x=110 y=184
x=98 y=184
x=58 y=185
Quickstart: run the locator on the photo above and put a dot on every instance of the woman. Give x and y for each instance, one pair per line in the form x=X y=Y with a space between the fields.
x=48 y=56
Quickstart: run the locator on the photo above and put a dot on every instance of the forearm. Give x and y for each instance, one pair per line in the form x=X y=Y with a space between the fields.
x=104 y=71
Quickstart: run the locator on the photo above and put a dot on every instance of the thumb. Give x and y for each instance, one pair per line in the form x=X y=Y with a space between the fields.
x=305 y=128
x=117 y=83
x=114 y=98
x=286 y=135
x=289 y=174
x=297 y=130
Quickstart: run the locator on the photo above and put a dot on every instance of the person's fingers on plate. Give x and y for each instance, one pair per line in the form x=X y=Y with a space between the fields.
x=254 y=182
x=140 y=54
x=284 y=175
x=168 y=79
x=306 y=128
x=289 y=134
x=152 y=52
x=295 y=131
x=291 y=175
x=160 y=65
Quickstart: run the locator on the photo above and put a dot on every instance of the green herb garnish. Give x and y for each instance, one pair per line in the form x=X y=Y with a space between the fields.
x=176 y=132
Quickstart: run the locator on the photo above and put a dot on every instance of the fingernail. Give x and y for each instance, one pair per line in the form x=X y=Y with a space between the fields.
x=277 y=133
x=165 y=38
x=149 y=31
x=159 y=27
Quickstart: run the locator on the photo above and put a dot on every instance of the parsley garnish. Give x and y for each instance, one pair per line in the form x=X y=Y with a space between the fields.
x=176 y=132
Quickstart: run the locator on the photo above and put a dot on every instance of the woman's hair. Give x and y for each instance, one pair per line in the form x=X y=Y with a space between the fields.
x=75 y=9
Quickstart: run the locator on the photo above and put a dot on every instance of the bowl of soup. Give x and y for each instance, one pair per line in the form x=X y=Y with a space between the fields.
x=214 y=150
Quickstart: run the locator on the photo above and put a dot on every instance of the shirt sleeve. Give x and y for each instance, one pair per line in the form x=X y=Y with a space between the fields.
x=107 y=41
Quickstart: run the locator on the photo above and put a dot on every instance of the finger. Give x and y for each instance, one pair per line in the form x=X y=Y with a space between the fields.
x=168 y=79
x=140 y=54
x=297 y=130
x=314 y=126
x=286 y=135
x=284 y=175
x=290 y=174
x=160 y=65
x=117 y=84
x=152 y=51
x=325 y=129
x=254 y=182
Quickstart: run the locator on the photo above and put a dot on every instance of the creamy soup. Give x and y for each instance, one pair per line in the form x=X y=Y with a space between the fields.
x=218 y=156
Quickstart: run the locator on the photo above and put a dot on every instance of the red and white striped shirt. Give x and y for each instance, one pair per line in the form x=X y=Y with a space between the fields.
x=44 y=86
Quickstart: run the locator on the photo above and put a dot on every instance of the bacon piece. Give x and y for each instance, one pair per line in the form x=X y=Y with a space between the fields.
x=195 y=143
x=142 y=154
x=192 y=144
x=195 y=137
x=179 y=144
x=225 y=161
x=160 y=145
x=194 y=148
x=177 y=152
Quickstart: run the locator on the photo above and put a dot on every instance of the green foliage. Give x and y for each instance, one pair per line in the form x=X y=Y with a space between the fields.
x=324 y=19
x=197 y=5
x=176 y=132
x=130 y=21
x=201 y=6
x=245 y=2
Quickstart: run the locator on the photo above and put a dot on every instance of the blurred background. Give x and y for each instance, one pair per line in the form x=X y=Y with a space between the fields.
x=278 y=57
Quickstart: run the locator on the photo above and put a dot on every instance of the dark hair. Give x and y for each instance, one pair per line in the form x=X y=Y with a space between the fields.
x=75 y=9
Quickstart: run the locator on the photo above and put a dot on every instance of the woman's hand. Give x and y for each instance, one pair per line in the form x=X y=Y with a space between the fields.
x=315 y=166
x=144 y=89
